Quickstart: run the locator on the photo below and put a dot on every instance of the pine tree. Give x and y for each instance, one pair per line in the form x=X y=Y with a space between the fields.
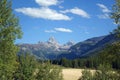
x=9 y=32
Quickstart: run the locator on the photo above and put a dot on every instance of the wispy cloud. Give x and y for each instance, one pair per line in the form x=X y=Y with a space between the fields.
x=103 y=8
x=103 y=16
x=55 y=30
x=46 y=2
x=50 y=31
x=105 y=11
x=77 y=11
x=63 y=30
x=44 y=12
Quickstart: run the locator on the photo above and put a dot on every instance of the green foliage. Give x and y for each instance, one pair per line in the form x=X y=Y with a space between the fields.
x=9 y=32
x=30 y=69
x=46 y=71
x=65 y=62
x=111 y=55
x=116 y=16
x=27 y=67
x=104 y=72
x=116 y=12
x=86 y=75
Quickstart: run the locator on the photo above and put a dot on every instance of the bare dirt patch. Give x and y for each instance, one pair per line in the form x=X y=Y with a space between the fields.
x=72 y=74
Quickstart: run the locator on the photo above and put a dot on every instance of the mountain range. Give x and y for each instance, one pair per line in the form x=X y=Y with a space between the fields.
x=46 y=50
x=51 y=49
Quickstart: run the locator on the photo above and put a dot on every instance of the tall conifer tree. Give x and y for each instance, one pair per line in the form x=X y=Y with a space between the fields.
x=9 y=32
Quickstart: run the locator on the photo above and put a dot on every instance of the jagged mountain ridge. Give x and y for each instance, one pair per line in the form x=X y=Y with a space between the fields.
x=46 y=50
x=89 y=46
x=51 y=49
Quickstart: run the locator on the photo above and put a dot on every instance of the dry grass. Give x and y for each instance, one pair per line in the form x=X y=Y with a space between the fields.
x=72 y=74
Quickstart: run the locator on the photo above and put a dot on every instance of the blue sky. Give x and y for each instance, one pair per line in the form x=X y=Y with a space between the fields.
x=66 y=20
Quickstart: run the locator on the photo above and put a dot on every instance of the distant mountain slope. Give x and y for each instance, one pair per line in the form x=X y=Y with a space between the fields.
x=51 y=49
x=88 y=47
x=46 y=50
x=83 y=47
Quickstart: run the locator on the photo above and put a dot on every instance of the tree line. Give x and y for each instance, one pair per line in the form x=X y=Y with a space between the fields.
x=109 y=55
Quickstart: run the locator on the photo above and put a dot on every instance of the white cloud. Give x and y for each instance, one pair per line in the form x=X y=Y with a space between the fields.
x=104 y=8
x=46 y=2
x=77 y=11
x=50 y=31
x=105 y=11
x=103 y=16
x=55 y=30
x=63 y=30
x=44 y=12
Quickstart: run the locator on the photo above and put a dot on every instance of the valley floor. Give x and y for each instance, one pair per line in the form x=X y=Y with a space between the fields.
x=72 y=74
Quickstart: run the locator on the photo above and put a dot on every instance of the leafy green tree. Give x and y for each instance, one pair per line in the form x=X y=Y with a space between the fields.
x=116 y=12
x=116 y=16
x=86 y=75
x=30 y=69
x=104 y=72
x=9 y=32
x=46 y=71
x=27 y=67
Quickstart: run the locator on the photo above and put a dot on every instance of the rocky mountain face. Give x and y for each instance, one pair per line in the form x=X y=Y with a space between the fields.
x=88 y=47
x=46 y=50
x=51 y=49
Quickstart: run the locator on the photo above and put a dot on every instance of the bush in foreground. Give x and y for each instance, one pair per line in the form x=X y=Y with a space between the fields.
x=104 y=72
x=30 y=69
